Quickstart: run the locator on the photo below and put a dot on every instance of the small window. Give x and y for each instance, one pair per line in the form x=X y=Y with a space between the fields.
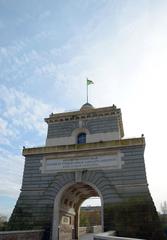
x=81 y=138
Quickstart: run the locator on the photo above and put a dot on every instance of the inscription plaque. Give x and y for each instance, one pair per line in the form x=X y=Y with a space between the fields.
x=113 y=161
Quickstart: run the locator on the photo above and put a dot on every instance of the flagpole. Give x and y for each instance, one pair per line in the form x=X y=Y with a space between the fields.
x=87 y=89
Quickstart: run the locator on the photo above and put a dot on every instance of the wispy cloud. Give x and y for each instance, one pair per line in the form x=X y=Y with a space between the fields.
x=6 y=132
x=22 y=111
x=11 y=173
x=21 y=116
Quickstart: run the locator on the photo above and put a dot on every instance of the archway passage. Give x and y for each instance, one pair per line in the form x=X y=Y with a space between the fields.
x=69 y=210
x=90 y=217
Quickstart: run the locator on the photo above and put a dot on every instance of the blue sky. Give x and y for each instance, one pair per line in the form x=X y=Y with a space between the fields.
x=48 y=48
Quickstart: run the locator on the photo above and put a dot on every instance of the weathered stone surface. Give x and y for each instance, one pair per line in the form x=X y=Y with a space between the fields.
x=22 y=235
x=135 y=217
x=39 y=191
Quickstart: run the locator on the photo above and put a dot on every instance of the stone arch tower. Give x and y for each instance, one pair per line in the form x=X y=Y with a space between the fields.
x=59 y=176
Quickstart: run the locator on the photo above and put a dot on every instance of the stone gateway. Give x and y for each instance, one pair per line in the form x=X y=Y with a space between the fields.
x=86 y=155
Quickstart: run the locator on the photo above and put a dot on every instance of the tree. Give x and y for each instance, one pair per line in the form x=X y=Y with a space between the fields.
x=3 y=222
x=84 y=221
x=163 y=216
x=164 y=207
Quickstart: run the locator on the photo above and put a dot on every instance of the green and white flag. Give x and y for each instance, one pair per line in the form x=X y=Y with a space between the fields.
x=89 y=82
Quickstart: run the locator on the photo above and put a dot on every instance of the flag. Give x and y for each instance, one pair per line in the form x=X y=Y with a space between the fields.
x=89 y=82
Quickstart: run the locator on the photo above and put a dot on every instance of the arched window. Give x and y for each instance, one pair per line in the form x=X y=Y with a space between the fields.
x=81 y=138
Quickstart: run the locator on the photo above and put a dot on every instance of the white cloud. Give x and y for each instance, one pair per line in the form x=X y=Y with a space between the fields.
x=11 y=173
x=13 y=49
x=19 y=113
x=22 y=111
x=6 y=132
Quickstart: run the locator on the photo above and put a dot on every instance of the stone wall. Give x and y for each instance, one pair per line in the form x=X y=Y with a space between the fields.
x=97 y=129
x=96 y=229
x=65 y=232
x=95 y=125
x=62 y=129
x=22 y=235
x=135 y=217
x=34 y=208
x=82 y=231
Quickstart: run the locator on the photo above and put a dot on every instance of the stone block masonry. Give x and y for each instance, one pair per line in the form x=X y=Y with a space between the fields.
x=50 y=193
x=22 y=235
x=34 y=208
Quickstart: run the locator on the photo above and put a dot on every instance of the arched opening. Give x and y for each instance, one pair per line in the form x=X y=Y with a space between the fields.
x=81 y=138
x=66 y=224
x=90 y=217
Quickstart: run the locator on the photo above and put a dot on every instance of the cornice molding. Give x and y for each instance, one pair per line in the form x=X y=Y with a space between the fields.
x=84 y=147
x=77 y=115
x=87 y=114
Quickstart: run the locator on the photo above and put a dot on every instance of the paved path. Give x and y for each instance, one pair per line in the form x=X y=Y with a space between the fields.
x=88 y=236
